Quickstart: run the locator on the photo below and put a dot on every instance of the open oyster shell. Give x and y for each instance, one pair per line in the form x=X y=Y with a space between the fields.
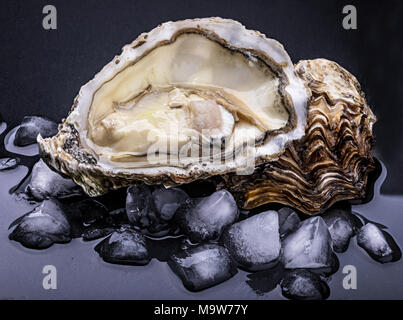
x=331 y=162
x=202 y=82
x=225 y=97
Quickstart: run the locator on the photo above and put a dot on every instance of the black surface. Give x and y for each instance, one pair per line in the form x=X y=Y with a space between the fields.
x=42 y=71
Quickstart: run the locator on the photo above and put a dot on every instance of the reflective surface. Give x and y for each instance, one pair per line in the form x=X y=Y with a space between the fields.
x=46 y=69
x=83 y=274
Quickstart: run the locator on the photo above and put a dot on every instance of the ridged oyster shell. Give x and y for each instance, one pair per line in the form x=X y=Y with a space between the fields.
x=331 y=162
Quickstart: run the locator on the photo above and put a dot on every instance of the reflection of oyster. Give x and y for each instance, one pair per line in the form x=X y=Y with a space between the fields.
x=187 y=100
x=333 y=159
x=210 y=84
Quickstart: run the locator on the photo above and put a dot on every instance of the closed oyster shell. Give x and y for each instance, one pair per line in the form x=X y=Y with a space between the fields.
x=331 y=162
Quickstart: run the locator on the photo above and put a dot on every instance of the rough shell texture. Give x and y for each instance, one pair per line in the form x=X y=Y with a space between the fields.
x=66 y=152
x=331 y=162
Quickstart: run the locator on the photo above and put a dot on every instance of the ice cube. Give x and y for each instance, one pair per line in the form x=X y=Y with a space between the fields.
x=167 y=201
x=40 y=228
x=203 y=266
x=342 y=226
x=9 y=163
x=87 y=211
x=83 y=213
x=142 y=212
x=124 y=246
x=99 y=228
x=288 y=221
x=139 y=205
x=310 y=246
x=3 y=127
x=46 y=183
x=31 y=126
x=254 y=242
x=378 y=244
x=204 y=219
x=301 y=284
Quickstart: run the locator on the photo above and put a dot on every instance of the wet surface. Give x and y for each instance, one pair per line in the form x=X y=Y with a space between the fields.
x=81 y=272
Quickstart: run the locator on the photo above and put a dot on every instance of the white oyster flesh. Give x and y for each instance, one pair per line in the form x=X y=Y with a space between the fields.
x=190 y=89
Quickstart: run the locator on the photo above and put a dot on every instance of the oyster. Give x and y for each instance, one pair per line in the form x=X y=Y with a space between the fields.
x=209 y=99
x=188 y=100
x=331 y=162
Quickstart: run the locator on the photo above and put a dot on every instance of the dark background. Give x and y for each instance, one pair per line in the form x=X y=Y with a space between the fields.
x=41 y=71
